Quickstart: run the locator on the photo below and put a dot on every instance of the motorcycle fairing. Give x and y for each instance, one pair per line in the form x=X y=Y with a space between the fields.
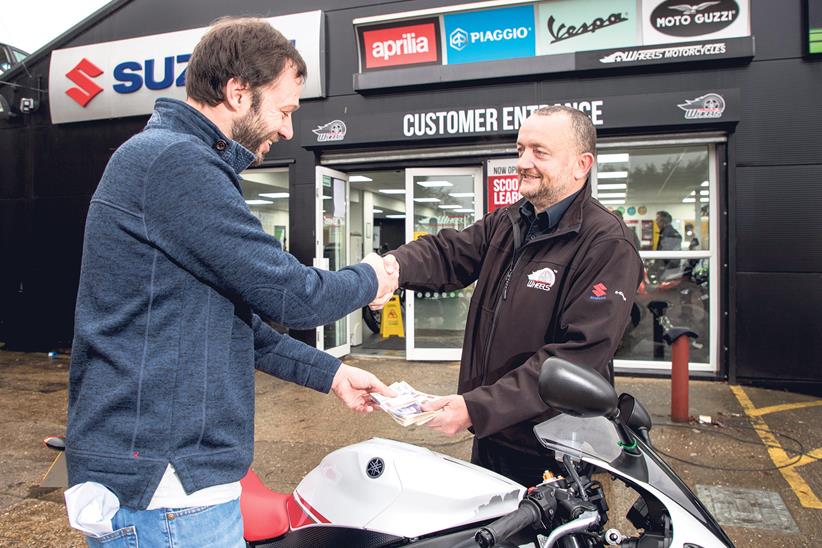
x=416 y=493
x=595 y=440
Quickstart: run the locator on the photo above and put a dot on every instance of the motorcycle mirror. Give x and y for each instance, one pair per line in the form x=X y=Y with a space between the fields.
x=575 y=390
x=633 y=414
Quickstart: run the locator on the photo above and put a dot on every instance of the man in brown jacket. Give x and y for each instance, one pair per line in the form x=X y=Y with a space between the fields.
x=556 y=275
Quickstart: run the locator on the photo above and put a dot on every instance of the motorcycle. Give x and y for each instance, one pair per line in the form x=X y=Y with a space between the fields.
x=383 y=494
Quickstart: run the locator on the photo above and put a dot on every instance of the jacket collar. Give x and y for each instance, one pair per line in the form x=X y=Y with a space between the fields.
x=571 y=220
x=179 y=116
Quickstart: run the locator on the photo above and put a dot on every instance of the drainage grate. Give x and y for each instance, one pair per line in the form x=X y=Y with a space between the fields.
x=747 y=508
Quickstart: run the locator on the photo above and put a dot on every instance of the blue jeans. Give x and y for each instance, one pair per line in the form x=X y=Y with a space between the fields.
x=220 y=526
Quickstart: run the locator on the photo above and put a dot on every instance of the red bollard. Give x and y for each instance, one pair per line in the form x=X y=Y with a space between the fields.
x=679 y=339
x=679 y=379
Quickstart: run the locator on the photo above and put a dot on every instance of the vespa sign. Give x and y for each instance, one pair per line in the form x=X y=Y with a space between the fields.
x=124 y=78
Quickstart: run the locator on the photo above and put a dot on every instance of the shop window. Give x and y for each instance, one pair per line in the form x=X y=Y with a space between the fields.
x=664 y=194
x=266 y=193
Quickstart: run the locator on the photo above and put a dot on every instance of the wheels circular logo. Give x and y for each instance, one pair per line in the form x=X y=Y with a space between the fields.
x=332 y=131
x=375 y=468
x=710 y=105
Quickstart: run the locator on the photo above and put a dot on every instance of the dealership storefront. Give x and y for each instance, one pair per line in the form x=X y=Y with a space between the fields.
x=408 y=124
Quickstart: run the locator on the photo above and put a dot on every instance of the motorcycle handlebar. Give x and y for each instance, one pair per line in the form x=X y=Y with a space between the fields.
x=528 y=513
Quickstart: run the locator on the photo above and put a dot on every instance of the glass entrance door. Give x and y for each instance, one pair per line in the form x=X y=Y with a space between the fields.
x=331 y=253
x=437 y=199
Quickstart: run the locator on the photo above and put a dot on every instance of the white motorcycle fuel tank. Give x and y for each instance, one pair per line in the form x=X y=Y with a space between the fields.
x=400 y=489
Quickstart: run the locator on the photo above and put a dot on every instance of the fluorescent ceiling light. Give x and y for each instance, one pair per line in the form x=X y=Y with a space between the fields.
x=704 y=192
x=607 y=195
x=612 y=174
x=427 y=200
x=463 y=210
x=688 y=200
x=432 y=184
x=258 y=202
x=360 y=179
x=392 y=190
x=612 y=186
x=705 y=183
x=612 y=158
x=704 y=200
x=449 y=206
x=274 y=195
x=376 y=210
x=396 y=216
x=326 y=197
x=693 y=193
x=461 y=194
x=612 y=202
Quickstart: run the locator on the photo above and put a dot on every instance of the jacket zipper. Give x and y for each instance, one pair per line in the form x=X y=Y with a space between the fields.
x=514 y=262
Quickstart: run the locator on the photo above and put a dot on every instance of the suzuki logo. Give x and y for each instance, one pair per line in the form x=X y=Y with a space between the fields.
x=458 y=39
x=86 y=89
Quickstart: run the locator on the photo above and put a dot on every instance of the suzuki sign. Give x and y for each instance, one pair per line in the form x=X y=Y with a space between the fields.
x=124 y=78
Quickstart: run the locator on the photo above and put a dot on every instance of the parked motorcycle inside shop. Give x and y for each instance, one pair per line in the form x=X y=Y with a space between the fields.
x=382 y=493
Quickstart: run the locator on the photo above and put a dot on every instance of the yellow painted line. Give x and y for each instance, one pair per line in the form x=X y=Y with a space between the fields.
x=780 y=458
x=808 y=458
x=759 y=411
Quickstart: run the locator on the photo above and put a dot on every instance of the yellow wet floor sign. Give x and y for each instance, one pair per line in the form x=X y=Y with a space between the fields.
x=391 y=319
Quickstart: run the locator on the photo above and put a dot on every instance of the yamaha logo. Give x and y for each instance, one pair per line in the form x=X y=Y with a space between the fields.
x=677 y=18
x=375 y=468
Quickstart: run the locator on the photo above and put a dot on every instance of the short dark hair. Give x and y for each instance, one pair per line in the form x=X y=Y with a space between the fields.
x=246 y=48
x=586 y=134
x=665 y=216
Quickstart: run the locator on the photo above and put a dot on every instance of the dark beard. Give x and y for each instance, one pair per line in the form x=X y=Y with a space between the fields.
x=250 y=132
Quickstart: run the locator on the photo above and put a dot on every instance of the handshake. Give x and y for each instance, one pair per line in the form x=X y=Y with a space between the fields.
x=388 y=277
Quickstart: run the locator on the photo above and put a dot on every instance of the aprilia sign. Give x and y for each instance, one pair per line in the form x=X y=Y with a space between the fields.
x=400 y=44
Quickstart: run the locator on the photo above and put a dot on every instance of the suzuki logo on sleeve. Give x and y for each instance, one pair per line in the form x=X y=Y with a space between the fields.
x=599 y=292
x=86 y=89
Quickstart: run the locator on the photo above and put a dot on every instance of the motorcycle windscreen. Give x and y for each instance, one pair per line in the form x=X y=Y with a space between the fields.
x=593 y=437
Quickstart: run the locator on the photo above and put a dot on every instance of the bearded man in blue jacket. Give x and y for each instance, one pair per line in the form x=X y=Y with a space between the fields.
x=175 y=271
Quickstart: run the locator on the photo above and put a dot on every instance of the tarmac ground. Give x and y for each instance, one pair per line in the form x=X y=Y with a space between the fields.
x=756 y=466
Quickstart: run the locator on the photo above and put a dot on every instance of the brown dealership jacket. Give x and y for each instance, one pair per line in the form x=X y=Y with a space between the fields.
x=567 y=293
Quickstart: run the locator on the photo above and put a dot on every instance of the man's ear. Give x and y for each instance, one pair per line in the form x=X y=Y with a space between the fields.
x=584 y=163
x=237 y=95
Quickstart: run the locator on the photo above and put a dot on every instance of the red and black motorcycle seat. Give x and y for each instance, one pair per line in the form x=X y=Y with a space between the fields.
x=265 y=515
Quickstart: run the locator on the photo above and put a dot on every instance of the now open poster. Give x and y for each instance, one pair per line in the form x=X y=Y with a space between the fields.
x=503 y=183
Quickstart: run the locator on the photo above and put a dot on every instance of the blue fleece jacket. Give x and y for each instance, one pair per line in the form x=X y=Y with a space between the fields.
x=174 y=271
